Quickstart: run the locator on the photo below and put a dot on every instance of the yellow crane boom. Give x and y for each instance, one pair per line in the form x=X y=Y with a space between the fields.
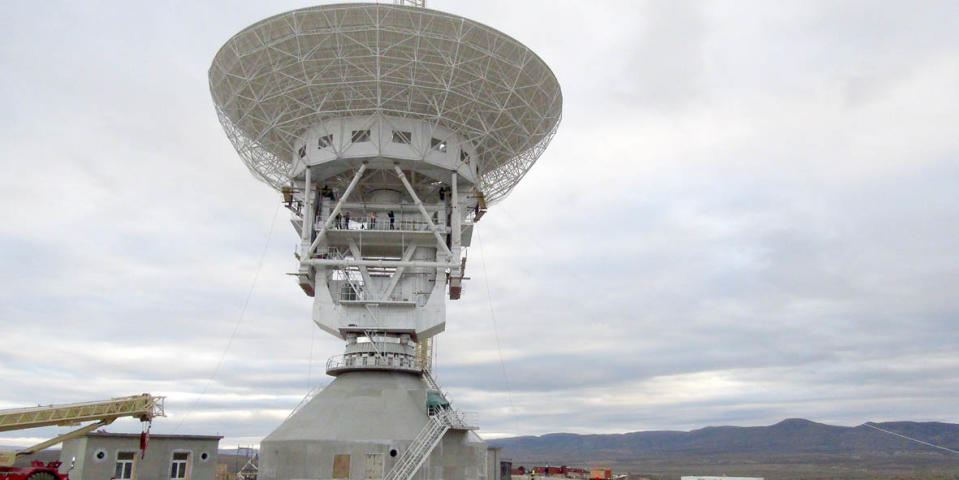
x=102 y=412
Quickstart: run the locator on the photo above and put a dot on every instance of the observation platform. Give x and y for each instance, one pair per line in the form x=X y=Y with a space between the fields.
x=455 y=419
x=372 y=361
x=382 y=235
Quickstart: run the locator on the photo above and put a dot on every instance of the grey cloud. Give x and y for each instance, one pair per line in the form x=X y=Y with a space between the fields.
x=748 y=214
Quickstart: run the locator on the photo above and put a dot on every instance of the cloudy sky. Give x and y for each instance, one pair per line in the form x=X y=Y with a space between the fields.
x=750 y=212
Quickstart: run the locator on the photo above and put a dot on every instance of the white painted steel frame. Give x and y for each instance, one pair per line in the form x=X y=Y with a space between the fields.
x=336 y=211
x=276 y=78
x=426 y=216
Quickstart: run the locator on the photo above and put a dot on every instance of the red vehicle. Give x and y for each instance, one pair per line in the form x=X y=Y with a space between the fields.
x=36 y=471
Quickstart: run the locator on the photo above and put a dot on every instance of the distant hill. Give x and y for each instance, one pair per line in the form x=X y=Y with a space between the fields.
x=788 y=437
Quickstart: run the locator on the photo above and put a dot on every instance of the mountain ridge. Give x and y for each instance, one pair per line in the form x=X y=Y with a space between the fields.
x=790 y=436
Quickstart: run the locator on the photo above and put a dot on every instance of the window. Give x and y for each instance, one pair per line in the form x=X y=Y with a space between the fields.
x=465 y=156
x=324 y=141
x=347 y=292
x=400 y=136
x=178 y=467
x=438 y=145
x=361 y=136
x=124 y=469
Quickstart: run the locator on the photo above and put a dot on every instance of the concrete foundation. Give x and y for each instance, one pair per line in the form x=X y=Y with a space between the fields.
x=358 y=427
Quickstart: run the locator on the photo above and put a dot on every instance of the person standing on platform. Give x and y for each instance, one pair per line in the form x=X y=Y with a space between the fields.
x=392 y=218
x=338 y=221
x=372 y=220
x=346 y=223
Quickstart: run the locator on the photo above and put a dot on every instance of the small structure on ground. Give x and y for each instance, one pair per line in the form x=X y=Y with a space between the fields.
x=104 y=456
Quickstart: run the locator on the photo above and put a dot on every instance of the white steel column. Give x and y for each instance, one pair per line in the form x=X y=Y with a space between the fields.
x=455 y=219
x=395 y=279
x=426 y=215
x=308 y=215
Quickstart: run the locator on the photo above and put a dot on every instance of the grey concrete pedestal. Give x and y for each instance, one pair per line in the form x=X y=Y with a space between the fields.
x=357 y=428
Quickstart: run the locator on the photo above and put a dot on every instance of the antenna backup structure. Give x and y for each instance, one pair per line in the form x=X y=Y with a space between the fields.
x=388 y=129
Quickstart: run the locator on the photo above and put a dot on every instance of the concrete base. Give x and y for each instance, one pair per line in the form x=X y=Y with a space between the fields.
x=359 y=426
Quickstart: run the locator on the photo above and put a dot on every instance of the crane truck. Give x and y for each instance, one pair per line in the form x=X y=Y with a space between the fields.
x=99 y=413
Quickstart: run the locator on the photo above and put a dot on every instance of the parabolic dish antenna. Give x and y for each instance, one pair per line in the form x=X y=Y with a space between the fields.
x=276 y=78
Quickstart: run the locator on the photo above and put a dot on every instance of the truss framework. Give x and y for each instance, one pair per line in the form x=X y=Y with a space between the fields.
x=276 y=78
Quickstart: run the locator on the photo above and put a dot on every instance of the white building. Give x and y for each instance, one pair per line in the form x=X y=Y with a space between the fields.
x=106 y=456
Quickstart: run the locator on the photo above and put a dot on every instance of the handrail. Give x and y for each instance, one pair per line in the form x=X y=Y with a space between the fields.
x=367 y=361
x=383 y=225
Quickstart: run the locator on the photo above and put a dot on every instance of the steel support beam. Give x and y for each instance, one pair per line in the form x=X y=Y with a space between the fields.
x=334 y=213
x=455 y=217
x=364 y=272
x=429 y=221
x=308 y=214
x=66 y=436
x=395 y=278
x=326 y=262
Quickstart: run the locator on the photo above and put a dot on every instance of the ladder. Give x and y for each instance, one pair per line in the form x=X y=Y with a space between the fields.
x=424 y=355
x=428 y=375
x=419 y=449
x=306 y=399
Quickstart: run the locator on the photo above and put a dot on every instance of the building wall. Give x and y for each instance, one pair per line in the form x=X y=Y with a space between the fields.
x=97 y=456
x=492 y=463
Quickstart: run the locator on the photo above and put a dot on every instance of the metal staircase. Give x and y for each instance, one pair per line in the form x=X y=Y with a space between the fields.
x=439 y=422
x=306 y=399
x=456 y=419
x=419 y=449
x=428 y=375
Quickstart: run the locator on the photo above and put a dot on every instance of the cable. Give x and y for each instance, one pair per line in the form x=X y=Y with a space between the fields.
x=492 y=314
x=309 y=370
x=236 y=326
x=910 y=438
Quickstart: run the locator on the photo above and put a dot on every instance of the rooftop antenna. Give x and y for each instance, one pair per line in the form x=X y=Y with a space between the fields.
x=389 y=131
